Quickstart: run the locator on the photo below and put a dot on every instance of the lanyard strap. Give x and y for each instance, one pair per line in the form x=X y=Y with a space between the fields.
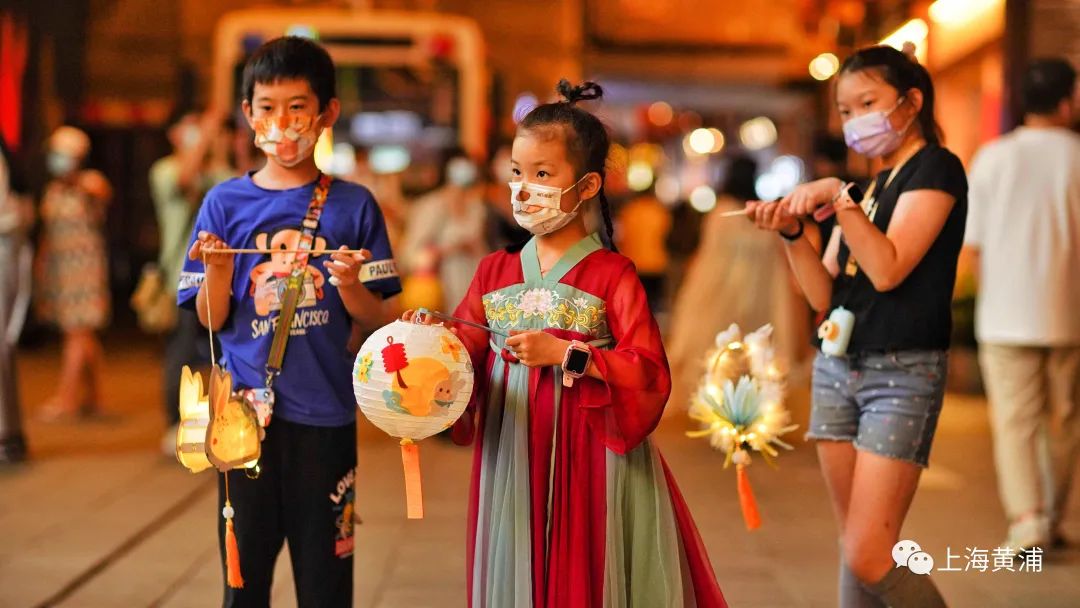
x=871 y=198
x=871 y=207
x=294 y=284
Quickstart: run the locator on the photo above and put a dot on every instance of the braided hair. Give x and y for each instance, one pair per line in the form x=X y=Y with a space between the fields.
x=587 y=140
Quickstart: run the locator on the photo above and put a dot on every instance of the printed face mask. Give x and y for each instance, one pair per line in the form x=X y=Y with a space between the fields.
x=550 y=217
x=873 y=135
x=288 y=140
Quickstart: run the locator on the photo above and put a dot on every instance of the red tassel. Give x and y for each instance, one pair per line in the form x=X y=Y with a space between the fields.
x=232 y=557
x=414 y=495
x=746 y=499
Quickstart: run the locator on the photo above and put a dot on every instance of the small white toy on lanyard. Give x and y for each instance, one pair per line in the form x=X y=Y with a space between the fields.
x=835 y=333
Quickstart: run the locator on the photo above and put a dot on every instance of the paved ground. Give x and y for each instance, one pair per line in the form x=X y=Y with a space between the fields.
x=98 y=518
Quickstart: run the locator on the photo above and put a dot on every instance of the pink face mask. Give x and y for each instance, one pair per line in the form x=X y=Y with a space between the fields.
x=873 y=135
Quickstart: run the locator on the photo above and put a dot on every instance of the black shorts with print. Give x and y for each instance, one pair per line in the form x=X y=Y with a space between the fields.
x=304 y=494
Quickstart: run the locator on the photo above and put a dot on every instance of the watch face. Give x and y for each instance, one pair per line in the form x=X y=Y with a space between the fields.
x=856 y=193
x=577 y=361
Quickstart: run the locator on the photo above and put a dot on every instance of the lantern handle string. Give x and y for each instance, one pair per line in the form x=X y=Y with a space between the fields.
x=209 y=320
x=452 y=319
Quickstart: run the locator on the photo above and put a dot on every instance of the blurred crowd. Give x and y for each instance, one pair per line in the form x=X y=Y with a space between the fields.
x=701 y=270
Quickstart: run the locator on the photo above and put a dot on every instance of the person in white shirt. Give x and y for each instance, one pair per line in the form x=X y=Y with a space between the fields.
x=1023 y=231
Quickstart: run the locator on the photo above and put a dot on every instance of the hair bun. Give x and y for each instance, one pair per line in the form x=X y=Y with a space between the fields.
x=585 y=91
x=908 y=49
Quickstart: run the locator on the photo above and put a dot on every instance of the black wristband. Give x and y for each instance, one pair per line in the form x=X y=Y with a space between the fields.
x=793 y=237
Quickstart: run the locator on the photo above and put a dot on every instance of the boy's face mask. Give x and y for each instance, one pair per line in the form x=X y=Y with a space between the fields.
x=549 y=217
x=288 y=140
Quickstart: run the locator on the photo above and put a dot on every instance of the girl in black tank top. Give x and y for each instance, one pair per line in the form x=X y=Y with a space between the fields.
x=887 y=276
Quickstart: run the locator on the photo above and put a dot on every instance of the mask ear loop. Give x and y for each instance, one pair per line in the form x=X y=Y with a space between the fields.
x=582 y=201
x=903 y=130
x=577 y=183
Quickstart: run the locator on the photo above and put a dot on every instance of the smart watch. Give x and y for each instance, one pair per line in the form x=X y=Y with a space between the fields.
x=575 y=362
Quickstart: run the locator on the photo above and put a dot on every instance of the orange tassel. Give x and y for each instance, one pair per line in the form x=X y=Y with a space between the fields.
x=746 y=499
x=232 y=557
x=414 y=495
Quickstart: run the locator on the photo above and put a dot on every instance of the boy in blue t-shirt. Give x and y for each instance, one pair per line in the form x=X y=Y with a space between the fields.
x=304 y=493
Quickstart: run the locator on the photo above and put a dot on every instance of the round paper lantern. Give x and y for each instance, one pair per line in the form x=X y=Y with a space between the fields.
x=412 y=381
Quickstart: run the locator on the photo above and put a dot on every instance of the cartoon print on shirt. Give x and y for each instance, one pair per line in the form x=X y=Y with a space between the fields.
x=268 y=278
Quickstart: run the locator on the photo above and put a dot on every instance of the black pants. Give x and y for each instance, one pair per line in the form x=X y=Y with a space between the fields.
x=303 y=495
x=188 y=345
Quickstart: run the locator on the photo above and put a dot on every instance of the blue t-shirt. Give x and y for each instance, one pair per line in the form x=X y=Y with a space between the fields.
x=315 y=385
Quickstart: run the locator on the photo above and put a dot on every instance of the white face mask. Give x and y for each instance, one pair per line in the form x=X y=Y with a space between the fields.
x=461 y=172
x=190 y=135
x=60 y=164
x=550 y=217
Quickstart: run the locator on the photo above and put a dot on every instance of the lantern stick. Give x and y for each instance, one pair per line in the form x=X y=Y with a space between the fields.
x=439 y=315
x=414 y=495
x=311 y=251
x=735 y=213
x=742 y=212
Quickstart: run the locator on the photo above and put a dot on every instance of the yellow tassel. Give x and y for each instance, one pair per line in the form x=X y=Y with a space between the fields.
x=750 y=513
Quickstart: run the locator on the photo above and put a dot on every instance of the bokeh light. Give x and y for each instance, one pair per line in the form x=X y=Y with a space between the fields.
x=661 y=114
x=703 y=199
x=639 y=176
x=718 y=140
x=824 y=66
x=701 y=141
x=757 y=133
x=667 y=190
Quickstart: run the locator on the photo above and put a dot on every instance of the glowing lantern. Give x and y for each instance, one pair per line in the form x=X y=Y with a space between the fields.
x=194 y=418
x=739 y=407
x=218 y=429
x=412 y=381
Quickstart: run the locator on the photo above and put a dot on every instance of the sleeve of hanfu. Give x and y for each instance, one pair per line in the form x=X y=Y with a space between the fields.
x=627 y=404
x=475 y=340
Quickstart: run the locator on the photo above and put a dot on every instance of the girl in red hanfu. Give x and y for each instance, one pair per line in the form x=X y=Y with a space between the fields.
x=572 y=505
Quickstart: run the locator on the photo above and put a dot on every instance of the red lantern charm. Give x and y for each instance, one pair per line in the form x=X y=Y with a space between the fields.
x=394 y=359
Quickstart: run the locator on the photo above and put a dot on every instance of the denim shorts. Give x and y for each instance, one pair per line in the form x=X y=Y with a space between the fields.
x=886 y=403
